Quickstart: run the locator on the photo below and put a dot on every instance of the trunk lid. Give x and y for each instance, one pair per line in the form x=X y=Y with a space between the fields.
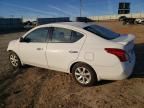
x=128 y=41
x=125 y=39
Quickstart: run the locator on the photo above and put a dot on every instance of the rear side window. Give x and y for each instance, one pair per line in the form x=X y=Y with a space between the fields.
x=102 y=32
x=62 y=35
x=38 y=35
x=76 y=36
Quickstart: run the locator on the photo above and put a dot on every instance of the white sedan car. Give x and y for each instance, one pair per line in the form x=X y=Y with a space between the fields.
x=88 y=51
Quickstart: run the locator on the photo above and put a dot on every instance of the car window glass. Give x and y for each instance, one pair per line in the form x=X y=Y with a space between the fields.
x=62 y=35
x=38 y=35
x=76 y=36
x=102 y=32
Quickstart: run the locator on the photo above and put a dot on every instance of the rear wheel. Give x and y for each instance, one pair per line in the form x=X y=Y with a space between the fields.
x=14 y=60
x=84 y=74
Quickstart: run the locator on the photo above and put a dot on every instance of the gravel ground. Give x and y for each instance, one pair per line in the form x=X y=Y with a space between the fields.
x=32 y=87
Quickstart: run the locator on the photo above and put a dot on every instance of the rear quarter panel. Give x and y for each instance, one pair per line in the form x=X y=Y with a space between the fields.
x=93 y=51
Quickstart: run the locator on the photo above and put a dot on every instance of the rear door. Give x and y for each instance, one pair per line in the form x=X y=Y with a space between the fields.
x=33 y=49
x=63 y=48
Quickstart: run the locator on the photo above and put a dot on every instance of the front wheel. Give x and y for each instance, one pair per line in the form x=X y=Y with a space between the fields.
x=14 y=60
x=84 y=74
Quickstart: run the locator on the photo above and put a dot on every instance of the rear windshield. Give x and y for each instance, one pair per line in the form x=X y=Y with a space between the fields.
x=102 y=32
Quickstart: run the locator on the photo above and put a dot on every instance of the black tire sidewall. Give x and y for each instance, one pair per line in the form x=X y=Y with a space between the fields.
x=92 y=72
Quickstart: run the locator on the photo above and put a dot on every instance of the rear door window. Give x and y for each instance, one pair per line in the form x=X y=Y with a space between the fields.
x=62 y=35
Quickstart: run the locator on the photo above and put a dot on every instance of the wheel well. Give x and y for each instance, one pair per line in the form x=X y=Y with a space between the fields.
x=73 y=66
x=81 y=63
x=13 y=52
x=10 y=51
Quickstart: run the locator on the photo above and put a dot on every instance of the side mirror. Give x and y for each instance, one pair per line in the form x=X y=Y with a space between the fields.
x=21 y=39
x=27 y=40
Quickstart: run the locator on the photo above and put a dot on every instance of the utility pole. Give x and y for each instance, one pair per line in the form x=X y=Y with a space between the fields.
x=80 y=8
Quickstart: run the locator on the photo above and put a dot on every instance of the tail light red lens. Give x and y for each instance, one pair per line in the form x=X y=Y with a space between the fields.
x=121 y=54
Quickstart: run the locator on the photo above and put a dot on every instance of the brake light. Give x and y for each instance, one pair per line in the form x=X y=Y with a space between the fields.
x=121 y=54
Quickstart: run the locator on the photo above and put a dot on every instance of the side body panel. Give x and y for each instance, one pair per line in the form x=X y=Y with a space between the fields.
x=60 y=55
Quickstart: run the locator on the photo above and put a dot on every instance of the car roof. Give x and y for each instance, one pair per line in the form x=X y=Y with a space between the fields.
x=74 y=24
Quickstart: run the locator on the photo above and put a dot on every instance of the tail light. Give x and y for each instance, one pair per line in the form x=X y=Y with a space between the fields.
x=121 y=54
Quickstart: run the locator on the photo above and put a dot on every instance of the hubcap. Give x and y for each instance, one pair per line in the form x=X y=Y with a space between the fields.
x=82 y=75
x=14 y=60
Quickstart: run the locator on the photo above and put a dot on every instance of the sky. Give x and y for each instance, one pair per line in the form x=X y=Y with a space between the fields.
x=63 y=8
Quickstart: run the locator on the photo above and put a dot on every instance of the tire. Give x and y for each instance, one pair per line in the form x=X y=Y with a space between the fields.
x=84 y=74
x=14 y=60
x=124 y=23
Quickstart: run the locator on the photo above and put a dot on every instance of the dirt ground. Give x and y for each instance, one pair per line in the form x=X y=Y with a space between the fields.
x=32 y=87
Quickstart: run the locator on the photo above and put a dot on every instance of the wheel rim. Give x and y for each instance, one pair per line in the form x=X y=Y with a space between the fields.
x=14 y=60
x=82 y=75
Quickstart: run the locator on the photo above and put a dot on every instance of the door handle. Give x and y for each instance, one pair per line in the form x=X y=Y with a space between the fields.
x=73 y=51
x=39 y=48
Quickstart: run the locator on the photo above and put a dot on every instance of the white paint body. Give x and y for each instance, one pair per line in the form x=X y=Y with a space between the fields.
x=139 y=20
x=90 y=50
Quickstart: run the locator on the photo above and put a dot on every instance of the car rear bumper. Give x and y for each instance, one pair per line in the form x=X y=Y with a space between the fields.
x=128 y=67
x=120 y=71
x=127 y=71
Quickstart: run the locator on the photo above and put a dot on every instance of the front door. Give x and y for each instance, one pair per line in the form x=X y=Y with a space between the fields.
x=33 y=49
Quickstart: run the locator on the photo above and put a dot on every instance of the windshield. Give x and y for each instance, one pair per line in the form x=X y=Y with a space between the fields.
x=102 y=32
